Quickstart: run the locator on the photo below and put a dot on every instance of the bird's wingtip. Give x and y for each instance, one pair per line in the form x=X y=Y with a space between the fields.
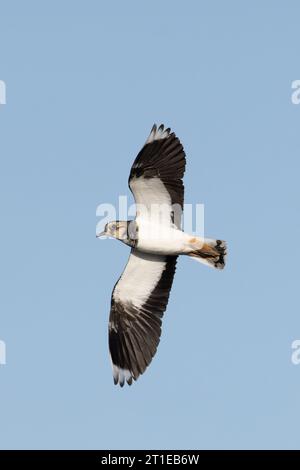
x=158 y=133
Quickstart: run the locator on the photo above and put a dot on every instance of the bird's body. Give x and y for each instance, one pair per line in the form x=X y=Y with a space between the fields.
x=140 y=297
x=161 y=239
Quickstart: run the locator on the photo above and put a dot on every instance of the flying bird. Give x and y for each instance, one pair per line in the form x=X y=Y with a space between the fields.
x=141 y=294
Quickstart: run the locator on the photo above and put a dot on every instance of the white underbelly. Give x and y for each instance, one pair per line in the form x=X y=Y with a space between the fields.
x=160 y=239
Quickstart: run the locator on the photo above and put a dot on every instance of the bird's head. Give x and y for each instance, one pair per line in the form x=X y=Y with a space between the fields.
x=116 y=229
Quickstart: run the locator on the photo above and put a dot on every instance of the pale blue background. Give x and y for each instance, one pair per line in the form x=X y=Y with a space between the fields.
x=85 y=82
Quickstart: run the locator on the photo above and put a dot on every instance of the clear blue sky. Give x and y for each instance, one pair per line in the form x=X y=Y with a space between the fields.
x=85 y=82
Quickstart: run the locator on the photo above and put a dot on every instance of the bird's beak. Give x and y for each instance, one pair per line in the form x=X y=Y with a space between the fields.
x=101 y=234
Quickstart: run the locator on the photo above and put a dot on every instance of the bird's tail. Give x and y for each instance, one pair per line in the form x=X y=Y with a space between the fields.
x=212 y=252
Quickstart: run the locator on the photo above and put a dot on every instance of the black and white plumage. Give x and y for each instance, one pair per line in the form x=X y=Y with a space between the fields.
x=137 y=306
x=157 y=172
x=140 y=296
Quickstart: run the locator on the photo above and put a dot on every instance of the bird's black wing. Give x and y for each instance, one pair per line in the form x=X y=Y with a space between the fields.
x=156 y=175
x=138 y=302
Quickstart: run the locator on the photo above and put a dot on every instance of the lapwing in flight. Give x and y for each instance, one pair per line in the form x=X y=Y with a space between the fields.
x=141 y=294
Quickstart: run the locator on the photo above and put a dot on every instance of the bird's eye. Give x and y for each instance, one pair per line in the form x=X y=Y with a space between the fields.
x=113 y=226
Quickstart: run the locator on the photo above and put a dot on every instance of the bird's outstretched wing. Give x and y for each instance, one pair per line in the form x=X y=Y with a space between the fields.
x=138 y=302
x=156 y=175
